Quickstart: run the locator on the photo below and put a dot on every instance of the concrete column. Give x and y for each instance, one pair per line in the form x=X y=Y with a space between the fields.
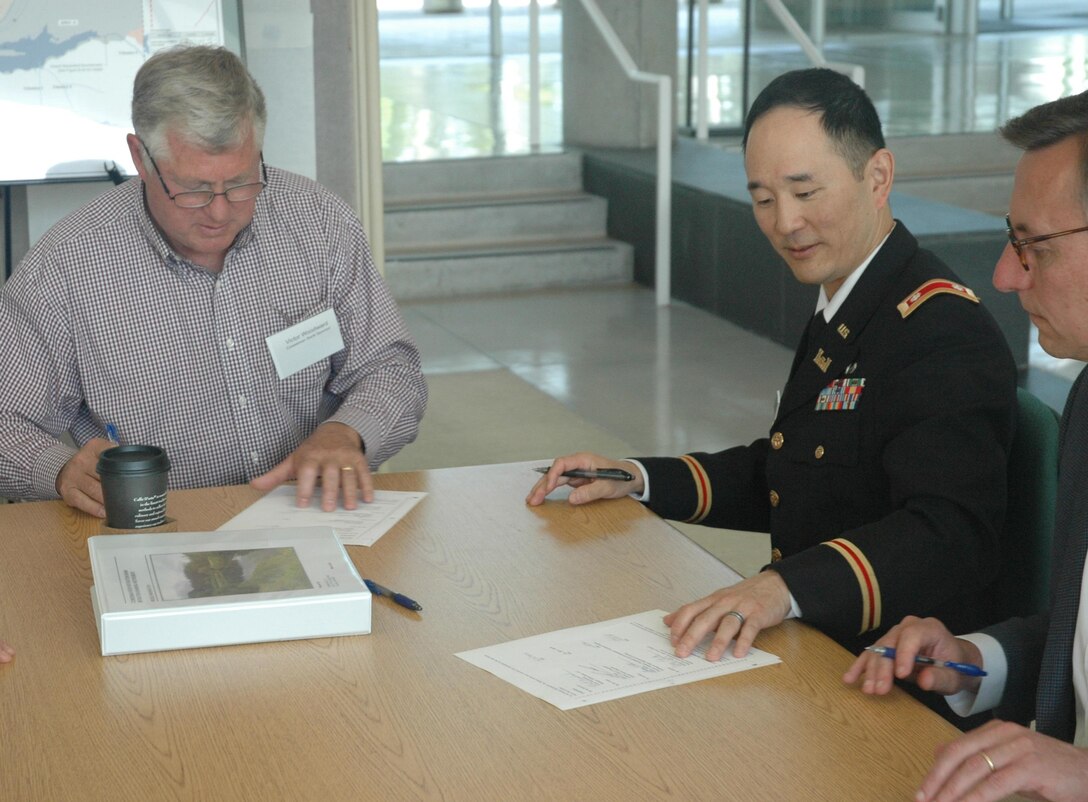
x=335 y=98
x=602 y=107
x=14 y=223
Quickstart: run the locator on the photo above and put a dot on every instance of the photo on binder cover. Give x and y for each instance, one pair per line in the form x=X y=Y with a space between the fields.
x=203 y=574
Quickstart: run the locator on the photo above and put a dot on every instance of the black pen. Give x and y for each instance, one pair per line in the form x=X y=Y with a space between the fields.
x=399 y=598
x=604 y=473
x=963 y=668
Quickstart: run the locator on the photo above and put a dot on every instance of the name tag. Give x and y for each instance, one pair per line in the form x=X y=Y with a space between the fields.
x=305 y=343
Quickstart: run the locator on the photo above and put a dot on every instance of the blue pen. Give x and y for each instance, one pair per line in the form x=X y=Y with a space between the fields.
x=111 y=434
x=963 y=668
x=399 y=598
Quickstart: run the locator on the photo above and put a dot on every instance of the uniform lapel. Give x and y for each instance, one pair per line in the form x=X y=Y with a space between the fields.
x=826 y=355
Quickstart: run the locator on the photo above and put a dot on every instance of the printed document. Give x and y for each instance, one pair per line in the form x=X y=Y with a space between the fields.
x=359 y=527
x=598 y=662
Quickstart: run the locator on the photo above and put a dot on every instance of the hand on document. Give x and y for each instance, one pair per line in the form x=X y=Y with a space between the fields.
x=334 y=454
x=7 y=654
x=739 y=611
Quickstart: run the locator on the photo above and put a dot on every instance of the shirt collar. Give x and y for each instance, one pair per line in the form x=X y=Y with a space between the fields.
x=831 y=307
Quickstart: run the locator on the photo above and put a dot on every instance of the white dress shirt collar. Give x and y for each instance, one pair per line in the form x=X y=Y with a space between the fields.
x=830 y=307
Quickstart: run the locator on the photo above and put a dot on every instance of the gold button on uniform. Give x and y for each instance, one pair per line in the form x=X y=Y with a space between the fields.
x=819 y=452
x=777 y=440
x=774 y=498
x=776 y=555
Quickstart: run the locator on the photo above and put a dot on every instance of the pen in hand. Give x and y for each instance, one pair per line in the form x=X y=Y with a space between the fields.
x=399 y=598
x=111 y=434
x=963 y=668
x=604 y=473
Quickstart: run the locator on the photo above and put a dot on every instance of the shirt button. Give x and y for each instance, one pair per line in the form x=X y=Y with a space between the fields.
x=230 y=343
x=241 y=400
x=777 y=440
x=256 y=456
x=774 y=498
x=819 y=452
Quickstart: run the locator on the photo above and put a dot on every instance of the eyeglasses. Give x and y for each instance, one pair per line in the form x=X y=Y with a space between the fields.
x=198 y=199
x=1018 y=244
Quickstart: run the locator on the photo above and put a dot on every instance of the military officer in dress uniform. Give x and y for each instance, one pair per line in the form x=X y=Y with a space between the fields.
x=882 y=479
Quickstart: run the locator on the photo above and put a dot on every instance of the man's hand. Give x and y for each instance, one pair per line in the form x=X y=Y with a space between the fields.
x=911 y=637
x=7 y=654
x=333 y=454
x=78 y=483
x=739 y=611
x=585 y=490
x=1023 y=762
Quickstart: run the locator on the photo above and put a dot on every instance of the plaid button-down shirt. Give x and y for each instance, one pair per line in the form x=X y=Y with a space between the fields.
x=104 y=323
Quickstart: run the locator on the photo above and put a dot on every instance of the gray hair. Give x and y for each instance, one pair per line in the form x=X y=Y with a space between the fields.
x=202 y=94
x=1051 y=123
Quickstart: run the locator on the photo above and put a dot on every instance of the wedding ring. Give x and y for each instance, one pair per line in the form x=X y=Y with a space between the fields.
x=737 y=614
x=989 y=761
x=346 y=468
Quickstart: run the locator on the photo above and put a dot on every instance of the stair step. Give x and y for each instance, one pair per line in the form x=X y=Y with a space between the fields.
x=472 y=226
x=480 y=270
x=500 y=176
x=456 y=224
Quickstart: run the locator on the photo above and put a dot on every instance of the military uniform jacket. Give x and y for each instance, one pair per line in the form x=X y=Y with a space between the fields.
x=1039 y=649
x=883 y=480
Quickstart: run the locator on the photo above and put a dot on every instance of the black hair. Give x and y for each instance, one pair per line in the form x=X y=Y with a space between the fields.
x=846 y=112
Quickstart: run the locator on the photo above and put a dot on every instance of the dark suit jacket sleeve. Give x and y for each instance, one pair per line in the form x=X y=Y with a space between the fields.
x=1023 y=640
x=726 y=489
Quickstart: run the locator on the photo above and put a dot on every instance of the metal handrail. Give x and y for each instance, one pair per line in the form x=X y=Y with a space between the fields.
x=815 y=54
x=663 y=222
x=793 y=28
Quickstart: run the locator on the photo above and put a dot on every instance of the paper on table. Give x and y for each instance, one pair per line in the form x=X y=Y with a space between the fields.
x=359 y=527
x=598 y=662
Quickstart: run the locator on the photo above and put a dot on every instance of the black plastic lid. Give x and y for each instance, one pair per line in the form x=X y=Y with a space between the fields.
x=133 y=460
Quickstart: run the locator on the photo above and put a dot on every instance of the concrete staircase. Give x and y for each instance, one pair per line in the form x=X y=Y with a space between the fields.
x=973 y=171
x=467 y=226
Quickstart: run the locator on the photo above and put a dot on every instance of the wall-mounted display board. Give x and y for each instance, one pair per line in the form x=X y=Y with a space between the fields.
x=66 y=71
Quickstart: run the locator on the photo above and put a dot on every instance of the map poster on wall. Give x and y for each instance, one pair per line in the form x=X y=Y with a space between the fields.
x=66 y=72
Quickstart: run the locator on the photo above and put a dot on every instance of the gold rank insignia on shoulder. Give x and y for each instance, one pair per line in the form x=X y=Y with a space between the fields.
x=936 y=286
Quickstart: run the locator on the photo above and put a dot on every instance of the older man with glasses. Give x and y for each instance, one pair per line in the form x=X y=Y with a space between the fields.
x=223 y=310
x=1036 y=668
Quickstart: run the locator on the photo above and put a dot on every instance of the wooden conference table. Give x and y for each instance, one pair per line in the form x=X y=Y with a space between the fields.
x=394 y=715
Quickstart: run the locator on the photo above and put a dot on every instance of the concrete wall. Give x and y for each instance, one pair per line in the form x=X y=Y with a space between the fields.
x=601 y=105
x=280 y=38
x=721 y=261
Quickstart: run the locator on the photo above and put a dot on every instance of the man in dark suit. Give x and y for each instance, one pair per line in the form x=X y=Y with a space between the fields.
x=1036 y=667
x=882 y=481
